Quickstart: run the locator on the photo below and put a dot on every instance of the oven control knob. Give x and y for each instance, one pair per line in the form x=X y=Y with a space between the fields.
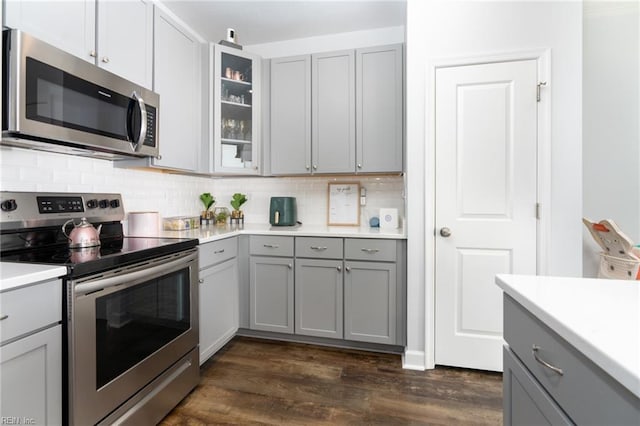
x=9 y=205
x=103 y=204
x=92 y=204
x=114 y=203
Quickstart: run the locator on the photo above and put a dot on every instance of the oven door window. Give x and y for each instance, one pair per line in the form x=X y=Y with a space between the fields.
x=134 y=323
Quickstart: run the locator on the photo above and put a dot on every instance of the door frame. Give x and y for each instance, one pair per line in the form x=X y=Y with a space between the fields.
x=543 y=192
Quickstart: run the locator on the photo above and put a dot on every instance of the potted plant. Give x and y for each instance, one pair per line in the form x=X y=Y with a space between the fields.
x=221 y=214
x=237 y=201
x=207 y=200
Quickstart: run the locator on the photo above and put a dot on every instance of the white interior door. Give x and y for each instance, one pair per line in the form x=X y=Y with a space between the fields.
x=486 y=146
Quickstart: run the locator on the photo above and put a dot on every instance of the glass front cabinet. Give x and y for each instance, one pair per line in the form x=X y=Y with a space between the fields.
x=236 y=111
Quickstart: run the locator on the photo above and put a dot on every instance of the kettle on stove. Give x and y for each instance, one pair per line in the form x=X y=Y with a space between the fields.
x=83 y=234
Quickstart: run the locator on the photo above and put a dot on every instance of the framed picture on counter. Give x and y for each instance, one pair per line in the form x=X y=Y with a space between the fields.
x=344 y=204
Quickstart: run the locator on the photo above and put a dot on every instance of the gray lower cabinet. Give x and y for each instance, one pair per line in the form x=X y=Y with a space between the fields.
x=31 y=354
x=271 y=294
x=218 y=295
x=318 y=295
x=370 y=302
x=542 y=367
x=525 y=401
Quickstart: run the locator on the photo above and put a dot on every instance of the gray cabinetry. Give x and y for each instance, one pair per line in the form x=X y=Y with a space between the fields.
x=31 y=353
x=333 y=126
x=379 y=106
x=525 y=398
x=271 y=284
x=218 y=294
x=337 y=112
x=582 y=390
x=370 y=302
x=291 y=115
x=319 y=287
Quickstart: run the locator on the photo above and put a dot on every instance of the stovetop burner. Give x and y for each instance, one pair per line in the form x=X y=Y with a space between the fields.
x=31 y=232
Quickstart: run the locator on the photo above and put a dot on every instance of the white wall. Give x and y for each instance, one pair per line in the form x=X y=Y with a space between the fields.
x=611 y=124
x=177 y=195
x=444 y=29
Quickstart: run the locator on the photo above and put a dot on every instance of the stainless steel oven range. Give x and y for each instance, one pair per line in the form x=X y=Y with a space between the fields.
x=130 y=304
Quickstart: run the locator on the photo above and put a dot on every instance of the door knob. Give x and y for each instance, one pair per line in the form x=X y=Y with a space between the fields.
x=445 y=232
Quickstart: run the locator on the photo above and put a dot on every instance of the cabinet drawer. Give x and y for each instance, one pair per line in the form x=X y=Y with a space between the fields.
x=370 y=249
x=266 y=245
x=217 y=251
x=27 y=309
x=585 y=391
x=319 y=248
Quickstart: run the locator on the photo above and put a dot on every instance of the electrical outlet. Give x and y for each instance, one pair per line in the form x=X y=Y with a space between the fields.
x=363 y=196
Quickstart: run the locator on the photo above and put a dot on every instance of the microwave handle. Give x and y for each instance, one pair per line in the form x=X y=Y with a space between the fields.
x=142 y=134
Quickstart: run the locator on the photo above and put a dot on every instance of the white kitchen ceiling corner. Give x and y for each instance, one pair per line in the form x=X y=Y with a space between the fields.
x=265 y=21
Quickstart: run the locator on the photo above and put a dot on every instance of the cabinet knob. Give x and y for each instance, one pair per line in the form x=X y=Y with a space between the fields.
x=200 y=280
x=348 y=269
x=359 y=165
x=339 y=268
x=105 y=59
x=445 y=232
x=315 y=167
x=307 y=167
x=290 y=266
x=93 y=54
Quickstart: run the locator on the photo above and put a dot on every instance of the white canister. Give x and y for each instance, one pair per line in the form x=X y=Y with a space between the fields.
x=144 y=224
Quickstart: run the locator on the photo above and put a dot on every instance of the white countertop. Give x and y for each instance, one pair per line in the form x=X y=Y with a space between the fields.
x=14 y=275
x=209 y=233
x=600 y=318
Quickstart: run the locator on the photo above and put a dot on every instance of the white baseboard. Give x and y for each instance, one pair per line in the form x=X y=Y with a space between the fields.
x=413 y=360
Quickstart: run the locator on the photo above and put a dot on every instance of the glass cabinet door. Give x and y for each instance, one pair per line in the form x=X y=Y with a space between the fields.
x=236 y=126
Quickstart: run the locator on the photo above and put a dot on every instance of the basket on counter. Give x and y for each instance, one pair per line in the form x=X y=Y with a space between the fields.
x=180 y=223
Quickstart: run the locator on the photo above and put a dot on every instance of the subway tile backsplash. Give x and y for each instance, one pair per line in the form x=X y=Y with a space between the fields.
x=176 y=195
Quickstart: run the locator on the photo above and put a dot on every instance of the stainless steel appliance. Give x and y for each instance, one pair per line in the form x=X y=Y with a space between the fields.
x=54 y=101
x=130 y=304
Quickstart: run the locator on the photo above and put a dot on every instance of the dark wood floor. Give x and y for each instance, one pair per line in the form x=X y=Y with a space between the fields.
x=253 y=381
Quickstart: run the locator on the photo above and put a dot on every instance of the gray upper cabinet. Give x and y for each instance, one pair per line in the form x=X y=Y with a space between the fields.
x=333 y=99
x=379 y=106
x=337 y=112
x=291 y=115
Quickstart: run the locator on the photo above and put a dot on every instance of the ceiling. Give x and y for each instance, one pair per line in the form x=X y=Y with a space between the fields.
x=263 y=21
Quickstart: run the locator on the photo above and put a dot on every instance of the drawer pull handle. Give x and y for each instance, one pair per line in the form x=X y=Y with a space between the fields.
x=4 y=317
x=271 y=245
x=319 y=248
x=368 y=250
x=218 y=251
x=534 y=351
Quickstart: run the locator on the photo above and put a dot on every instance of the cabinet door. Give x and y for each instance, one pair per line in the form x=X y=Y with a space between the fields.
x=236 y=111
x=31 y=378
x=333 y=128
x=291 y=115
x=125 y=39
x=67 y=25
x=525 y=402
x=271 y=294
x=370 y=302
x=176 y=80
x=379 y=106
x=218 y=307
x=318 y=295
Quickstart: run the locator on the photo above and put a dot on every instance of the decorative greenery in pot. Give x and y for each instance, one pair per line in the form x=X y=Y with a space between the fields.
x=221 y=214
x=207 y=200
x=237 y=201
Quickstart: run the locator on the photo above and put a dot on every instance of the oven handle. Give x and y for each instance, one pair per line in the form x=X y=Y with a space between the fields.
x=103 y=283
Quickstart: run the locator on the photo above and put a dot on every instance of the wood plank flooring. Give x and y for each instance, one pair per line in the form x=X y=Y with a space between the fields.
x=253 y=381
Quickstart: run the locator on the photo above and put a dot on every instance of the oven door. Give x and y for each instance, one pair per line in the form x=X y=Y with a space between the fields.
x=127 y=327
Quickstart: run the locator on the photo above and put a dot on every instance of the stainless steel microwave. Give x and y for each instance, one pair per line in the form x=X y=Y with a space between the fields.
x=55 y=101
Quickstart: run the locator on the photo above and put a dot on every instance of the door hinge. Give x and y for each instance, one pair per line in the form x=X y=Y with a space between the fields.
x=539 y=85
x=538 y=211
